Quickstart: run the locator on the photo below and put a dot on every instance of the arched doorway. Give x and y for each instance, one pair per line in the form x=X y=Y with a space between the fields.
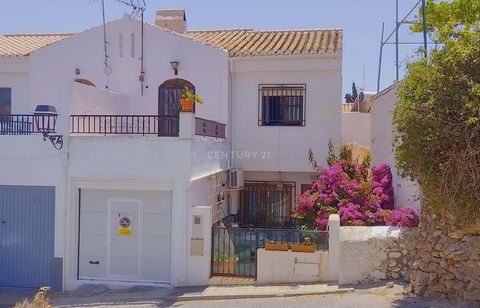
x=85 y=82
x=169 y=105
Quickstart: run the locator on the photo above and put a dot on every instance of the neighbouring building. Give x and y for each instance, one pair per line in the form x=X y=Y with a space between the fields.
x=407 y=193
x=132 y=195
x=356 y=125
x=367 y=128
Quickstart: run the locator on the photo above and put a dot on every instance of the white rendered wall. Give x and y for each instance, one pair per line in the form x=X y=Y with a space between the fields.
x=285 y=148
x=356 y=127
x=203 y=201
x=18 y=82
x=91 y=100
x=406 y=192
x=291 y=267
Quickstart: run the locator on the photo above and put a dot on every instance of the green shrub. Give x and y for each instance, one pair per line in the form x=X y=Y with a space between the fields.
x=437 y=127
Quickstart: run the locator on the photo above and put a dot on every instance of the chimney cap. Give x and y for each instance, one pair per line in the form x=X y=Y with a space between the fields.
x=171 y=14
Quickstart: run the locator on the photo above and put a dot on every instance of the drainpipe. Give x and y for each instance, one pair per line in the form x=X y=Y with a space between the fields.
x=231 y=96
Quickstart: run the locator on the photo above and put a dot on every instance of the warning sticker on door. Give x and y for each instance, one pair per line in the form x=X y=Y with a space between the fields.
x=125 y=226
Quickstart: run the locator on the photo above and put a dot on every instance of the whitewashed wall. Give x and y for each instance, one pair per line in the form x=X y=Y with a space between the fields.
x=285 y=148
x=356 y=127
x=18 y=82
x=406 y=192
x=91 y=100
x=203 y=201
x=291 y=267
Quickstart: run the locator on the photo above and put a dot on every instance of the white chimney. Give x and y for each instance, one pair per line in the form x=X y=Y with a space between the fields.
x=173 y=20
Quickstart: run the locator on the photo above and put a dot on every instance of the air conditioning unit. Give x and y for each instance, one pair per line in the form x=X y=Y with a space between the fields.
x=235 y=178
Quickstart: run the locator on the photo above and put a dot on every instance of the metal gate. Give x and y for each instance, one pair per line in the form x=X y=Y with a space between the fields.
x=27 y=230
x=234 y=250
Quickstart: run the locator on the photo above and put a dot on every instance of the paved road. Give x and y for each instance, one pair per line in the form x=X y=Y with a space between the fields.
x=354 y=300
x=367 y=296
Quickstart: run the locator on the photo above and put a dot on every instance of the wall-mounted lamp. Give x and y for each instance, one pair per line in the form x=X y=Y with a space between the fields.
x=174 y=65
x=45 y=117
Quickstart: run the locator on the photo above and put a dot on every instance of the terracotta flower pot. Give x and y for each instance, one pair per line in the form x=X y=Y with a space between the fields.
x=187 y=104
x=277 y=246
x=224 y=267
x=303 y=248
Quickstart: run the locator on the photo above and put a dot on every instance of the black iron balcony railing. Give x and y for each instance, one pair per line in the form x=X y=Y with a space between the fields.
x=124 y=125
x=164 y=126
x=208 y=128
x=27 y=124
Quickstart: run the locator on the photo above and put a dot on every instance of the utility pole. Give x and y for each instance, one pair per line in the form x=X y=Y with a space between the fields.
x=397 y=25
x=424 y=26
x=380 y=59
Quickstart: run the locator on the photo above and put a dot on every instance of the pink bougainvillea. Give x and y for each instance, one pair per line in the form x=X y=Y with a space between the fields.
x=405 y=217
x=360 y=199
x=382 y=180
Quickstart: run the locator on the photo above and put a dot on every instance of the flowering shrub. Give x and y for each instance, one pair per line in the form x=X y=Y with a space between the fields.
x=401 y=218
x=382 y=180
x=360 y=199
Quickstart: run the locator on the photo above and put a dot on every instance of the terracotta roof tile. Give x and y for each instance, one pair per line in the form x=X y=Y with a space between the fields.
x=238 y=42
x=247 y=42
x=24 y=44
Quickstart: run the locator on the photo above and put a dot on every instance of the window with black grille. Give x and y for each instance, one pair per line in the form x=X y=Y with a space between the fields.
x=281 y=105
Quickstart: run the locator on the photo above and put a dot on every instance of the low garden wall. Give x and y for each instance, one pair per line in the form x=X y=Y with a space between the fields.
x=447 y=264
x=291 y=267
x=375 y=253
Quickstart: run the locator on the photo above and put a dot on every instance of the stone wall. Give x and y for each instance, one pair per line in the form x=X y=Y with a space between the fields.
x=375 y=253
x=447 y=263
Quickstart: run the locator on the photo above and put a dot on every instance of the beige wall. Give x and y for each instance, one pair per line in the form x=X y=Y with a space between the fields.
x=356 y=128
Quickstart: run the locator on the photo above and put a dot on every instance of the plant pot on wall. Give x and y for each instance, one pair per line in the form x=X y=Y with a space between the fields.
x=302 y=248
x=276 y=246
x=187 y=104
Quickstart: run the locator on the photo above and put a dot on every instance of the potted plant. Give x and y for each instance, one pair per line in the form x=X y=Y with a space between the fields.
x=224 y=264
x=188 y=98
x=272 y=245
x=306 y=246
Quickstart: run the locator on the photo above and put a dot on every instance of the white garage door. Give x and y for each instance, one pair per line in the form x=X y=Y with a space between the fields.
x=125 y=235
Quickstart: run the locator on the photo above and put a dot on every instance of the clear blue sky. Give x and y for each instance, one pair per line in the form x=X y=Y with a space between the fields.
x=360 y=19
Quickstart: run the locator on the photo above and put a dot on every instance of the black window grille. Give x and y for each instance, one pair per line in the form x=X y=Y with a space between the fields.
x=282 y=105
x=268 y=204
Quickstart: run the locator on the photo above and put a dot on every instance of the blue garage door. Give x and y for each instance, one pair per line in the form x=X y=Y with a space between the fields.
x=27 y=236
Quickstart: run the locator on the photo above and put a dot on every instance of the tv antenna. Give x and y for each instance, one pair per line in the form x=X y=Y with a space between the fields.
x=138 y=7
x=138 y=10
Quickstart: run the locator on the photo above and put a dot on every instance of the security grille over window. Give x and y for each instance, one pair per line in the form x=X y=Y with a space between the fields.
x=281 y=105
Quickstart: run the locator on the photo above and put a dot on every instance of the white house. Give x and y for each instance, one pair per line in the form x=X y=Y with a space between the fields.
x=132 y=195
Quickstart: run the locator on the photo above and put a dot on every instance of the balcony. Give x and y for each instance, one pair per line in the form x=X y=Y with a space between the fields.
x=27 y=124
x=144 y=125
